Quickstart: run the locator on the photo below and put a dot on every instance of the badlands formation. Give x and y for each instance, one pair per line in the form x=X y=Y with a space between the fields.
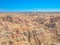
x=30 y=28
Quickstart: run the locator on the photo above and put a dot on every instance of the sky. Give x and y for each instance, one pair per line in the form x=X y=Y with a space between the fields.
x=29 y=5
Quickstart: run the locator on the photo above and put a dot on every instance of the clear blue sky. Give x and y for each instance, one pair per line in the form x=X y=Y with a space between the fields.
x=28 y=5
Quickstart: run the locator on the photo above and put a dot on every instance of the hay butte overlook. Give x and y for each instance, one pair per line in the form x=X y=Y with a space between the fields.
x=30 y=28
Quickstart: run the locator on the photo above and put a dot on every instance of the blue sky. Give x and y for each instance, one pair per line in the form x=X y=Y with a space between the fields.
x=29 y=5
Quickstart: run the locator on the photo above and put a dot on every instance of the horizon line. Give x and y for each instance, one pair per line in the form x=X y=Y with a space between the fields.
x=31 y=10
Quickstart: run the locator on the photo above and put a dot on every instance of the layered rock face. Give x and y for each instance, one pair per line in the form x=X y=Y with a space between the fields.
x=30 y=28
